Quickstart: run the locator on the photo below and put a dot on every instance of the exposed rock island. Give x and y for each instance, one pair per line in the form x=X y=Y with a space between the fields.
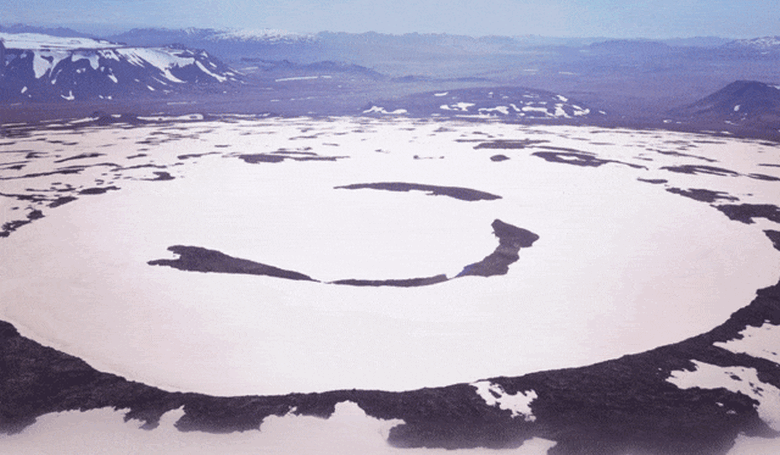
x=197 y=259
x=463 y=194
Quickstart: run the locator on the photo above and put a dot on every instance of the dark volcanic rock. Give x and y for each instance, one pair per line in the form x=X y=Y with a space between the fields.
x=774 y=236
x=403 y=283
x=699 y=169
x=195 y=155
x=262 y=158
x=161 y=177
x=81 y=157
x=746 y=212
x=98 y=190
x=278 y=157
x=36 y=380
x=463 y=194
x=7 y=228
x=196 y=259
x=510 y=240
x=702 y=195
x=35 y=215
x=509 y=144
x=499 y=158
x=620 y=406
x=576 y=157
x=768 y=178
x=61 y=201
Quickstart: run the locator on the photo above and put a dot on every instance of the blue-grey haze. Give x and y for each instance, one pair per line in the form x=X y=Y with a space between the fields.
x=563 y=18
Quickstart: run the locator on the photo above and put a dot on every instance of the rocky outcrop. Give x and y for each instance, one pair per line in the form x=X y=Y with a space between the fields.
x=631 y=404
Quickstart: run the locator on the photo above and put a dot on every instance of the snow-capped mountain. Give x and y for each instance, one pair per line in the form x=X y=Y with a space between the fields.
x=258 y=35
x=486 y=103
x=157 y=36
x=229 y=45
x=42 y=67
x=764 y=44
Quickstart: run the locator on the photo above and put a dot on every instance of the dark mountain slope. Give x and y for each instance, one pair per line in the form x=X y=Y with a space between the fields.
x=738 y=101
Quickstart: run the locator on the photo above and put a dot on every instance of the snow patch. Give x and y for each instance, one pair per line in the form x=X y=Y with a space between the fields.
x=735 y=379
x=381 y=110
x=535 y=109
x=180 y=118
x=207 y=71
x=502 y=109
x=108 y=54
x=70 y=96
x=92 y=57
x=349 y=430
x=519 y=403
x=761 y=342
x=559 y=112
x=580 y=112
x=736 y=108
x=44 y=61
x=751 y=445
x=83 y=120
x=300 y=78
x=463 y=106
x=161 y=58
x=457 y=107
x=37 y=41
x=441 y=94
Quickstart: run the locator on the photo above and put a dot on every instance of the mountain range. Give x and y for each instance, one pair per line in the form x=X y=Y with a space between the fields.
x=683 y=84
x=44 y=68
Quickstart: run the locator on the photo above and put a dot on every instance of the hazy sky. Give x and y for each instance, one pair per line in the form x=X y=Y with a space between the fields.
x=566 y=18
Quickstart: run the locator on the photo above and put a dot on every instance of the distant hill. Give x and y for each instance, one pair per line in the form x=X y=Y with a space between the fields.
x=698 y=41
x=738 y=101
x=632 y=46
x=61 y=32
x=292 y=69
x=743 y=107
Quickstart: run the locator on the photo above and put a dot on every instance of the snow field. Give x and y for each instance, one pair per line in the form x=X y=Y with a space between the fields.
x=613 y=252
